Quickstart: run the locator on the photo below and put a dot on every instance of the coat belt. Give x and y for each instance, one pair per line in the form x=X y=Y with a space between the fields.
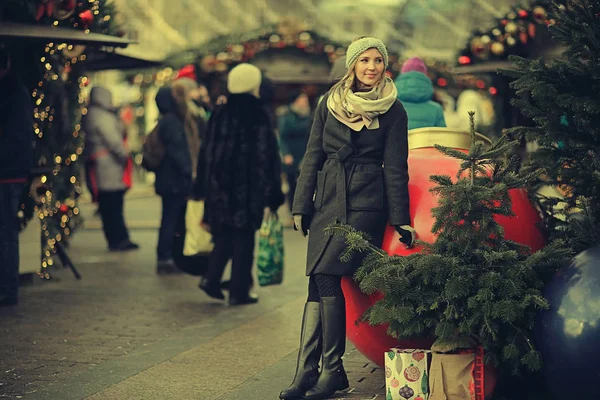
x=343 y=157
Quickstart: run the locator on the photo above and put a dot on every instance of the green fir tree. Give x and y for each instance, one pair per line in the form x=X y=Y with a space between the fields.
x=471 y=283
x=561 y=97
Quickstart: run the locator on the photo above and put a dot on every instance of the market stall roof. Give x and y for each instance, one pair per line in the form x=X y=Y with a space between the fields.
x=14 y=30
x=119 y=59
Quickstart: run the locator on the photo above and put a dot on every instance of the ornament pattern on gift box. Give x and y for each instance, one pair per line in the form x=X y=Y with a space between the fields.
x=412 y=373
x=388 y=372
x=406 y=375
x=406 y=392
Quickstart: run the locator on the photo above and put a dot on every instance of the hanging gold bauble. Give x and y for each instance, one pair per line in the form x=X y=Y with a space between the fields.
x=511 y=41
x=540 y=14
x=497 y=48
x=511 y=28
x=479 y=48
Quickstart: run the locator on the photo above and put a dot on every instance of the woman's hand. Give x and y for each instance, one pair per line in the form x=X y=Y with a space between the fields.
x=407 y=235
x=298 y=225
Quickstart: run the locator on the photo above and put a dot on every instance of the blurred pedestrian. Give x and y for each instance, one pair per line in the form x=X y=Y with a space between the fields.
x=294 y=126
x=354 y=172
x=239 y=178
x=415 y=91
x=178 y=131
x=108 y=160
x=16 y=161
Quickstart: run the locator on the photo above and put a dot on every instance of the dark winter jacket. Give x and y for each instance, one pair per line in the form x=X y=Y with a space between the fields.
x=358 y=178
x=16 y=130
x=293 y=135
x=174 y=175
x=415 y=91
x=106 y=154
x=239 y=165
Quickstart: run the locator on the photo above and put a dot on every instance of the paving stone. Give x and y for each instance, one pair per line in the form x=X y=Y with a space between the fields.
x=122 y=332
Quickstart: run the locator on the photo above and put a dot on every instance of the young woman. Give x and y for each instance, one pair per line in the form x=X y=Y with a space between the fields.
x=354 y=171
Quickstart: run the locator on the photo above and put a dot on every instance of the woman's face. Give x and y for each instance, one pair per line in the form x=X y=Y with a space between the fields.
x=369 y=68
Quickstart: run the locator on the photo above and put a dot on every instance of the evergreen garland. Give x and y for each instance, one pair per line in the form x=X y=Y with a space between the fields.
x=471 y=283
x=562 y=99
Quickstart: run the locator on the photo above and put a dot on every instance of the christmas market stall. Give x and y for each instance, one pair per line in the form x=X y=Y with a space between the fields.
x=290 y=54
x=47 y=41
x=522 y=32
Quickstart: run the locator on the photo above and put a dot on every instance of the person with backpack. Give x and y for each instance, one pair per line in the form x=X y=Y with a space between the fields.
x=172 y=144
x=107 y=161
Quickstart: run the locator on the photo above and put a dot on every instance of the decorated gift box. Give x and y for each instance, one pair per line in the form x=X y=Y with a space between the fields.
x=406 y=374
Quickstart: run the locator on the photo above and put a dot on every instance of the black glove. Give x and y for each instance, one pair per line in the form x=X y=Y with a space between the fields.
x=407 y=234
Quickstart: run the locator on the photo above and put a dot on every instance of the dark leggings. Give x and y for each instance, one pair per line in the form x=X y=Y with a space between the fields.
x=324 y=286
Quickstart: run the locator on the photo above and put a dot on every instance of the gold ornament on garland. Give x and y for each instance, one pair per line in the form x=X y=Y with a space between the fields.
x=511 y=41
x=497 y=48
x=511 y=28
x=540 y=15
x=479 y=48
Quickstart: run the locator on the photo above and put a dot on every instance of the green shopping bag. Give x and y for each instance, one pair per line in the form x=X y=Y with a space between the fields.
x=270 y=253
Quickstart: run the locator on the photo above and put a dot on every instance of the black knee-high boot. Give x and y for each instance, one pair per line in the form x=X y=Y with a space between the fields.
x=333 y=376
x=309 y=354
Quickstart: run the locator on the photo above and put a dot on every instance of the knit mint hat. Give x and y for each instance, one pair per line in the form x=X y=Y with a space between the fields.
x=361 y=45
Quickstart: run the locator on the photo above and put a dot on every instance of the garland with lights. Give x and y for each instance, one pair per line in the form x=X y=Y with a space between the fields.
x=51 y=73
x=224 y=52
x=518 y=33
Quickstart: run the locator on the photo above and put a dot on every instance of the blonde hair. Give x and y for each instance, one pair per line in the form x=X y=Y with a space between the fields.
x=349 y=80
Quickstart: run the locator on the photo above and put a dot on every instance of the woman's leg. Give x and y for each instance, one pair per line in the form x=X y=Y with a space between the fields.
x=211 y=282
x=309 y=353
x=241 y=267
x=333 y=319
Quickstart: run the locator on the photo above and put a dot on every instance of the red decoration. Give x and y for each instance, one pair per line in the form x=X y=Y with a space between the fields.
x=493 y=91
x=462 y=60
x=373 y=341
x=418 y=356
x=442 y=82
x=531 y=30
x=480 y=84
x=45 y=7
x=412 y=373
x=188 y=71
x=523 y=13
x=504 y=22
x=63 y=208
x=523 y=37
x=86 y=17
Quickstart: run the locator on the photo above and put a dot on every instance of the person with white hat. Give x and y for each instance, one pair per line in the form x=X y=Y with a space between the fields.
x=239 y=177
x=355 y=172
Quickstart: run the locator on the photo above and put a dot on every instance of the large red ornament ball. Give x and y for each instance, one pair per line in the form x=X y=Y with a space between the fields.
x=424 y=160
x=86 y=17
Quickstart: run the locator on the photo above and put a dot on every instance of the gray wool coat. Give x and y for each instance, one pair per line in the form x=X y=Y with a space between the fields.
x=104 y=148
x=358 y=178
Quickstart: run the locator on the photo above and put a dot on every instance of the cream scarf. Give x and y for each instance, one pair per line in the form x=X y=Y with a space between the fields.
x=362 y=109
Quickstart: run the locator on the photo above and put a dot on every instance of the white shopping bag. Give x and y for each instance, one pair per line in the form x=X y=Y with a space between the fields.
x=197 y=239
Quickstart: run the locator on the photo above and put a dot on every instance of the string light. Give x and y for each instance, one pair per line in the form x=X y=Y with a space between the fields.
x=53 y=208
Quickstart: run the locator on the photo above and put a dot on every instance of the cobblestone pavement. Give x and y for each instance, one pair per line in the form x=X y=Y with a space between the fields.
x=122 y=332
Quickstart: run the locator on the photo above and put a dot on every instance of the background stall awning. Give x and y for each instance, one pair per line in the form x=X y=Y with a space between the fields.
x=19 y=31
x=121 y=59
